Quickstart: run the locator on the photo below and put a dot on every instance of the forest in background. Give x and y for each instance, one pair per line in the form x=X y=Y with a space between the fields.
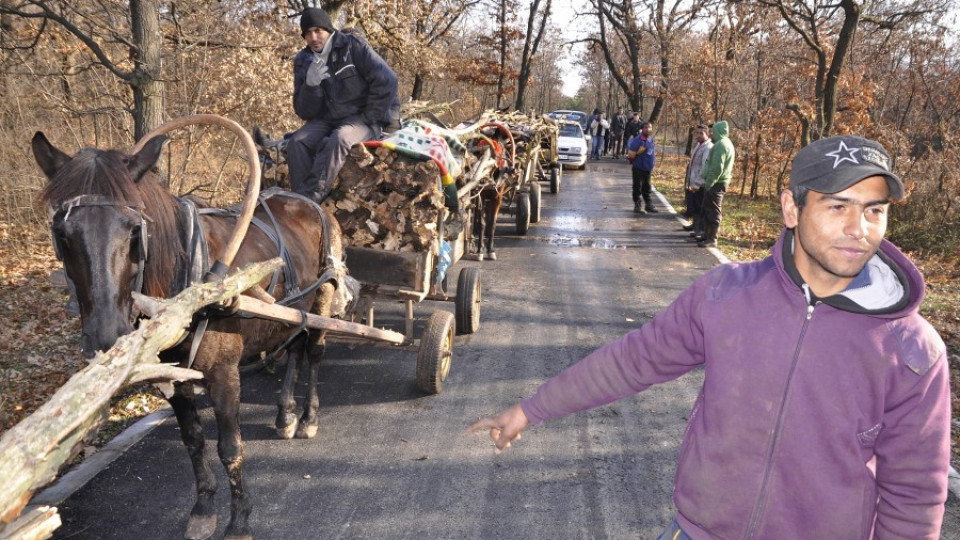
x=781 y=72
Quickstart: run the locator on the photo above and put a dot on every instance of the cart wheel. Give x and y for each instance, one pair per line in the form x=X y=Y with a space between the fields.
x=523 y=213
x=468 y=301
x=555 y=179
x=436 y=352
x=535 y=202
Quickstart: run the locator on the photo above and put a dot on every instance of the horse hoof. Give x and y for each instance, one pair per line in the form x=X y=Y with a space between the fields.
x=200 y=527
x=307 y=431
x=491 y=256
x=286 y=432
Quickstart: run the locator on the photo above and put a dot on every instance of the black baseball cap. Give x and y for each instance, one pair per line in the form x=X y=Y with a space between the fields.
x=834 y=164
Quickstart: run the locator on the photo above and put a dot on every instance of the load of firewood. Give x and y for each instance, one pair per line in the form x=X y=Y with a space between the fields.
x=386 y=200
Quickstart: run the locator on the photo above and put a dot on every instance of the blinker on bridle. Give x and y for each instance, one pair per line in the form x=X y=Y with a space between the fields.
x=82 y=201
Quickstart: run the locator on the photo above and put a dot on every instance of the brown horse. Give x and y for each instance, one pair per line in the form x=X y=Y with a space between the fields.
x=490 y=196
x=118 y=230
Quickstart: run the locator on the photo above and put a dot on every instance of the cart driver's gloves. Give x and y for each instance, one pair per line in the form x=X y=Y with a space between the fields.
x=317 y=73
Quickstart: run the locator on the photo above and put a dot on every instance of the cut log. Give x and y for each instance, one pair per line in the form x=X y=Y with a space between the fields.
x=385 y=200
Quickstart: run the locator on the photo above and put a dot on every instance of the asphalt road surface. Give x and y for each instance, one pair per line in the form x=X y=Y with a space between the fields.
x=391 y=463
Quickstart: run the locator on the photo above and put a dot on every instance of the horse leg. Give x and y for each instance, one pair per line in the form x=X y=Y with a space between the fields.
x=203 y=518
x=224 y=385
x=479 y=223
x=310 y=420
x=286 y=423
x=493 y=211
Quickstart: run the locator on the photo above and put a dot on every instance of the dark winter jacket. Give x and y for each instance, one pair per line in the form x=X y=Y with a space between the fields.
x=360 y=83
x=817 y=418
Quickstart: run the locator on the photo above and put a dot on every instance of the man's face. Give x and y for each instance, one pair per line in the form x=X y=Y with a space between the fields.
x=316 y=38
x=702 y=136
x=837 y=233
x=647 y=130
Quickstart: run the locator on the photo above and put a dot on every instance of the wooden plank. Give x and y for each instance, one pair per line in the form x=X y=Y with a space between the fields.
x=381 y=267
x=285 y=314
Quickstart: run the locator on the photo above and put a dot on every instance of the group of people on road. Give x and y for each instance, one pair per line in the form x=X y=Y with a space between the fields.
x=707 y=176
x=825 y=406
x=610 y=137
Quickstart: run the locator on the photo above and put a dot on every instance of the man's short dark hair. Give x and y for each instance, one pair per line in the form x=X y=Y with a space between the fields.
x=702 y=126
x=799 y=196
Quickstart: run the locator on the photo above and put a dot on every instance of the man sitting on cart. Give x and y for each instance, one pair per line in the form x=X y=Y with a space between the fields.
x=345 y=92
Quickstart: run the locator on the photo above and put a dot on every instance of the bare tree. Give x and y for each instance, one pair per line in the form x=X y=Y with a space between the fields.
x=620 y=33
x=536 y=23
x=666 y=22
x=829 y=31
x=143 y=44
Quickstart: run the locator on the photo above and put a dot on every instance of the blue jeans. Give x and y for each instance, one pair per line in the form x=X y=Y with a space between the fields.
x=597 y=146
x=673 y=532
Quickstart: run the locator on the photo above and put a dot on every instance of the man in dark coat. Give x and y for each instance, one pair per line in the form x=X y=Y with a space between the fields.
x=345 y=92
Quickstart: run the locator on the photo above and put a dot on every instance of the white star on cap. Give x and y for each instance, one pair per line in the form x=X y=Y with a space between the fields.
x=843 y=153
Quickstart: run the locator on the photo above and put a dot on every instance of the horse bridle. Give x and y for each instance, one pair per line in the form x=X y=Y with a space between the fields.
x=82 y=201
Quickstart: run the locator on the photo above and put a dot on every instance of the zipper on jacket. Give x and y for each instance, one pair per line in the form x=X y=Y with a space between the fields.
x=810 y=302
x=762 y=495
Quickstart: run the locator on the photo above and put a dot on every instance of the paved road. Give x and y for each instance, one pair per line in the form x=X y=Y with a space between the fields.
x=390 y=463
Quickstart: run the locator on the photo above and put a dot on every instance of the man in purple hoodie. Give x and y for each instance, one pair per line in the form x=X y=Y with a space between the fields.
x=826 y=396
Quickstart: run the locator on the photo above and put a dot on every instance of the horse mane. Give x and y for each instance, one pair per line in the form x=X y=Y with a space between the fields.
x=105 y=173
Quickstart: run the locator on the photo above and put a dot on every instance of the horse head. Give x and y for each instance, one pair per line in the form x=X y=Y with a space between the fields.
x=101 y=211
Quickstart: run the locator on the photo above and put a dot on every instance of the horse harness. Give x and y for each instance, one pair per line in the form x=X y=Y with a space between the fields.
x=198 y=260
x=63 y=212
x=335 y=270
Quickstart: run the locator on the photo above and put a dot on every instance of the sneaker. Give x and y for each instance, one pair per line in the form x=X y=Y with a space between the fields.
x=474 y=256
x=491 y=256
x=636 y=208
x=688 y=228
x=652 y=210
x=707 y=243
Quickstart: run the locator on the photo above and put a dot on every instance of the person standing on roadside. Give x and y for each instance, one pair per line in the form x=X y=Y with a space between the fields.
x=641 y=153
x=716 y=176
x=345 y=93
x=617 y=128
x=598 y=129
x=692 y=183
x=825 y=405
x=631 y=130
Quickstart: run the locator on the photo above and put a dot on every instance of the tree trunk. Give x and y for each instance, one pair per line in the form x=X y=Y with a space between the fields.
x=417 y=87
x=147 y=87
x=848 y=33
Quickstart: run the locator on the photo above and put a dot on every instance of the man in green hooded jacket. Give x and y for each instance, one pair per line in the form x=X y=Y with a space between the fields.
x=716 y=176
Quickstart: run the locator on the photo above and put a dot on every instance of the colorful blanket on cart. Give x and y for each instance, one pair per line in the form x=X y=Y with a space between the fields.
x=423 y=140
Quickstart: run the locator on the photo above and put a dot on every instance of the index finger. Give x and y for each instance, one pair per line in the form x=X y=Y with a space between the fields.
x=483 y=423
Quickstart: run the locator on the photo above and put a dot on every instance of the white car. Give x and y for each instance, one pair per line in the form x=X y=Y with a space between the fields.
x=572 y=146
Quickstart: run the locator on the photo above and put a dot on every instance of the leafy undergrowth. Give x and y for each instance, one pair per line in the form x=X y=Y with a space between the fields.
x=751 y=226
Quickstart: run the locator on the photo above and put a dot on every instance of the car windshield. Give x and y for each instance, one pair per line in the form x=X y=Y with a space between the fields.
x=570 y=130
x=571 y=116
